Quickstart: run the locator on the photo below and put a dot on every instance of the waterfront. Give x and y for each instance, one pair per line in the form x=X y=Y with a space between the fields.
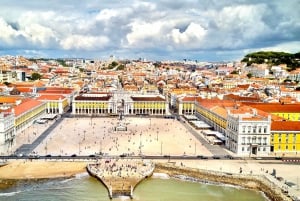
x=83 y=187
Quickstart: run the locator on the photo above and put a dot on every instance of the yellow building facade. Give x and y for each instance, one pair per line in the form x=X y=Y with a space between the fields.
x=285 y=137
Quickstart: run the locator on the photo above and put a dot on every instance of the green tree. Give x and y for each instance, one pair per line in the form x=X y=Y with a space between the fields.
x=36 y=76
x=121 y=67
x=249 y=75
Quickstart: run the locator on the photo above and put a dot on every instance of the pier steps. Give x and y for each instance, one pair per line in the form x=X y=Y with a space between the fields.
x=121 y=176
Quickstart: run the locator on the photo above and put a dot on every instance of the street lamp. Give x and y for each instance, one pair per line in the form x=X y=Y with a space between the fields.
x=140 y=144
x=100 y=147
x=46 y=147
x=79 y=148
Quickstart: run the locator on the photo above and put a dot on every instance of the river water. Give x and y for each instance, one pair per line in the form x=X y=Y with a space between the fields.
x=85 y=188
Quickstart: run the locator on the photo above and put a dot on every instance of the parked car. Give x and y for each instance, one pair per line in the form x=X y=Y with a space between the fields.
x=202 y=157
x=216 y=157
x=229 y=156
x=33 y=156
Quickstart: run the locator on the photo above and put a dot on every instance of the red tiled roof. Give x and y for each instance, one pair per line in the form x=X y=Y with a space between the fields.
x=24 y=89
x=50 y=97
x=240 y=98
x=209 y=103
x=148 y=98
x=9 y=99
x=93 y=98
x=276 y=107
x=56 y=90
x=192 y=98
x=285 y=126
x=25 y=106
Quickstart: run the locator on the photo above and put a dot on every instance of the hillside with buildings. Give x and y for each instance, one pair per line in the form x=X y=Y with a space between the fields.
x=254 y=104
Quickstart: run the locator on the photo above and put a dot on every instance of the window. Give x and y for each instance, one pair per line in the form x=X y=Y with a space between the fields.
x=244 y=129
x=265 y=129
x=249 y=129
x=279 y=147
x=286 y=147
x=243 y=140
x=259 y=129
x=243 y=149
x=294 y=147
x=254 y=129
x=264 y=149
x=254 y=140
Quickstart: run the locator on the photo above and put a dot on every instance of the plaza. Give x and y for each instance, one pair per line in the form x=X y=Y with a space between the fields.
x=87 y=136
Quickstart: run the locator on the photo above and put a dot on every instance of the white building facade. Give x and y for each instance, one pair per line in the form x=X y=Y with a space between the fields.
x=7 y=133
x=248 y=134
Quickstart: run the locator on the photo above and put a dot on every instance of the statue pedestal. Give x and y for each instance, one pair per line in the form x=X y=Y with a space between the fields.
x=120 y=127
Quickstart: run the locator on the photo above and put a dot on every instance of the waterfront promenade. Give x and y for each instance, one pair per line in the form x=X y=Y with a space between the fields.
x=120 y=176
x=145 y=136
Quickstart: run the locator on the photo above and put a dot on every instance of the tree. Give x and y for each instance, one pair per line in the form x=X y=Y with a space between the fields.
x=36 y=76
x=273 y=58
x=121 y=67
x=234 y=72
x=249 y=75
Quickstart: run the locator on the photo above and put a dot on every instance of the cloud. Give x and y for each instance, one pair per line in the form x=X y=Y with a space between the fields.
x=154 y=28
x=81 y=42
x=193 y=35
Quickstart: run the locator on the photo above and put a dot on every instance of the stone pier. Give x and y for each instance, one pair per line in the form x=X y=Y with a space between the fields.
x=121 y=176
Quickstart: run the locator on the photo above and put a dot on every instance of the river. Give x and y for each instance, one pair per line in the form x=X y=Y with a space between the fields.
x=85 y=188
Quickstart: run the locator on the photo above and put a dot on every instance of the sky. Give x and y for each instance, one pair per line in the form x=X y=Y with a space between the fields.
x=202 y=30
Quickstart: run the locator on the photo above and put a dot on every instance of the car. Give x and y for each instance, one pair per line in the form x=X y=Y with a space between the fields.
x=92 y=155
x=33 y=156
x=202 y=157
x=73 y=155
x=20 y=155
x=228 y=156
x=48 y=155
x=216 y=157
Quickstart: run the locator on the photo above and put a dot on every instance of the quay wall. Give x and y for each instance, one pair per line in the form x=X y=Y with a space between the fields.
x=254 y=182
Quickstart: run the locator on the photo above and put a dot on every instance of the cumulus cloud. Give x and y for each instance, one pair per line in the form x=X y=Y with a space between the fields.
x=81 y=42
x=193 y=34
x=153 y=28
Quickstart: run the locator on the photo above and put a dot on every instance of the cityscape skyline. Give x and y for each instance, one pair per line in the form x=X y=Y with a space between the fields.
x=159 y=30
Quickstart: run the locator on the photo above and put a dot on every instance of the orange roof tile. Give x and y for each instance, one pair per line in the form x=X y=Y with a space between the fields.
x=191 y=98
x=221 y=111
x=285 y=126
x=25 y=89
x=25 y=106
x=276 y=107
x=50 y=97
x=9 y=99
x=148 y=98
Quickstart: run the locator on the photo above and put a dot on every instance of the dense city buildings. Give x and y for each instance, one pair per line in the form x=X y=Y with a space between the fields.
x=252 y=109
